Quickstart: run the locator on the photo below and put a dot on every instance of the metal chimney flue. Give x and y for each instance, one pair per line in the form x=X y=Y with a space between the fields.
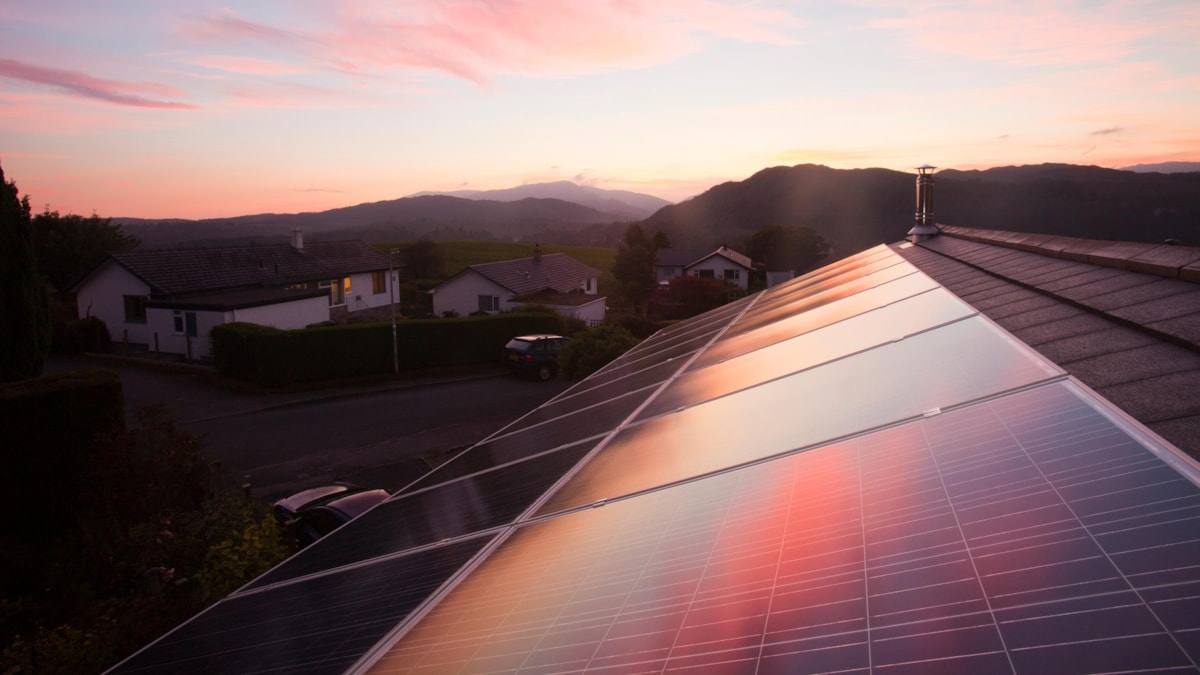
x=924 y=226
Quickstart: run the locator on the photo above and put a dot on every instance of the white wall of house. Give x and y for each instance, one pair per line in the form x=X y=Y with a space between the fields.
x=717 y=266
x=284 y=315
x=362 y=293
x=103 y=296
x=592 y=313
x=461 y=294
x=167 y=340
x=666 y=273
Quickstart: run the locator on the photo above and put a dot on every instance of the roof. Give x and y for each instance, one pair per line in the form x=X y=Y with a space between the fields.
x=1124 y=318
x=556 y=271
x=554 y=298
x=174 y=271
x=856 y=471
x=237 y=298
x=687 y=257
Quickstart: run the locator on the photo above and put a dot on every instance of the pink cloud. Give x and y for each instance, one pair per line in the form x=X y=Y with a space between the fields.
x=246 y=65
x=478 y=41
x=80 y=84
x=1049 y=32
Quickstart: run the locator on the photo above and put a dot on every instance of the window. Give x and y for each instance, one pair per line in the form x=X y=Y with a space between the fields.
x=705 y=274
x=337 y=292
x=731 y=275
x=379 y=282
x=489 y=303
x=185 y=322
x=135 y=309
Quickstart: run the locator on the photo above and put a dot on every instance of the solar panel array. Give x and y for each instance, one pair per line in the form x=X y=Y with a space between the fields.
x=851 y=472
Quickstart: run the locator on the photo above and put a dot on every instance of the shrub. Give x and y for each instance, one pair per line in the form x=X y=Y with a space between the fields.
x=592 y=349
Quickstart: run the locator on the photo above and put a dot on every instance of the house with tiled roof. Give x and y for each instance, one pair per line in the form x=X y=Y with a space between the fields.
x=553 y=279
x=721 y=263
x=167 y=300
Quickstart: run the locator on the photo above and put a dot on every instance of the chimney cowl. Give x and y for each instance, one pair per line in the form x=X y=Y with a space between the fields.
x=537 y=253
x=924 y=226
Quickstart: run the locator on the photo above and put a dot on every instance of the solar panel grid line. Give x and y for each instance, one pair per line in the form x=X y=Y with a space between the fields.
x=401 y=629
x=1098 y=572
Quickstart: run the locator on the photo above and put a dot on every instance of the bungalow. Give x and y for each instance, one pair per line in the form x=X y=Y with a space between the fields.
x=553 y=279
x=167 y=300
x=720 y=263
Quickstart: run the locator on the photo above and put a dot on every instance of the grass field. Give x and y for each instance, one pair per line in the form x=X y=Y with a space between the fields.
x=458 y=255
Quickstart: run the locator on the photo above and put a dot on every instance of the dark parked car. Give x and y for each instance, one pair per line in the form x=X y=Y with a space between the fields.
x=315 y=512
x=535 y=354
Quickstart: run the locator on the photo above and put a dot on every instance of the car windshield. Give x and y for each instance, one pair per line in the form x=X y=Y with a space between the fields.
x=518 y=345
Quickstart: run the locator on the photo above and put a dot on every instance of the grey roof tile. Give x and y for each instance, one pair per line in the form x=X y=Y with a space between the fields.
x=1157 y=289
x=1143 y=399
x=1110 y=284
x=1186 y=327
x=175 y=271
x=1108 y=339
x=1080 y=324
x=1028 y=318
x=1152 y=360
x=1086 y=275
x=1154 y=311
x=558 y=272
x=1120 y=318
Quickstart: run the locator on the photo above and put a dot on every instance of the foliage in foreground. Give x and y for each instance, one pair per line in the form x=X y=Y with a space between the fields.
x=24 y=304
x=590 y=350
x=162 y=533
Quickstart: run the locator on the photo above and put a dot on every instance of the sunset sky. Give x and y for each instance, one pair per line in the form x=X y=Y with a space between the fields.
x=193 y=109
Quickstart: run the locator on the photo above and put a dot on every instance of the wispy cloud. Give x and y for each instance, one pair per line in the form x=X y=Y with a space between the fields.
x=81 y=84
x=246 y=65
x=1107 y=132
x=477 y=42
x=1044 y=32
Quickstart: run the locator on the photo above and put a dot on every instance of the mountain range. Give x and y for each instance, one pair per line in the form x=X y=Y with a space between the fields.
x=852 y=208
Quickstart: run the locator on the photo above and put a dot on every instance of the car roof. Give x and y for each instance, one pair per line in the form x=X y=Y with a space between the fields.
x=537 y=336
x=356 y=504
x=314 y=495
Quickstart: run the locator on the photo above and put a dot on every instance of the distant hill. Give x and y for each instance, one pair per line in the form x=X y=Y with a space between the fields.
x=439 y=217
x=622 y=203
x=1164 y=167
x=858 y=208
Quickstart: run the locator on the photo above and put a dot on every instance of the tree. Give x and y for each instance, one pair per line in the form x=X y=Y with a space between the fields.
x=634 y=267
x=24 y=304
x=787 y=248
x=68 y=246
x=423 y=259
x=590 y=350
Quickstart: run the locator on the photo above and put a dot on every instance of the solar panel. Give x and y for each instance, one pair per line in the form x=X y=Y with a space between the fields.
x=962 y=542
x=853 y=471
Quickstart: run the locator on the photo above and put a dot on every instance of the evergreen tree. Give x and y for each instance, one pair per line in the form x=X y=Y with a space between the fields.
x=68 y=246
x=633 y=268
x=24 y=306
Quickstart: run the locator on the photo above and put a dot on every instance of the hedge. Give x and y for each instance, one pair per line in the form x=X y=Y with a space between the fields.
x=271 y=357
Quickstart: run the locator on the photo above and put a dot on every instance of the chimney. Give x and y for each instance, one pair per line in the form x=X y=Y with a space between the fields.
x=924 y=227
x=537 y=253
x=297 y=239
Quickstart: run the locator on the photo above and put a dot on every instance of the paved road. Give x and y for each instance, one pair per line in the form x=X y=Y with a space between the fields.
x=376 y=434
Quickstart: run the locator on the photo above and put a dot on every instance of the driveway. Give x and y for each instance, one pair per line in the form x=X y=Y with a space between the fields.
x=378 y=434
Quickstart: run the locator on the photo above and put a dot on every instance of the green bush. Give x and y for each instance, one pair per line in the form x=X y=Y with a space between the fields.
x=160 y=533
x=594 y=348
x=272 y=358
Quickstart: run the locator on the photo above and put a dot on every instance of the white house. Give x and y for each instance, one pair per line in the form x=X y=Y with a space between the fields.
x=721 y=263
x=168 y=300
x=554 y=279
